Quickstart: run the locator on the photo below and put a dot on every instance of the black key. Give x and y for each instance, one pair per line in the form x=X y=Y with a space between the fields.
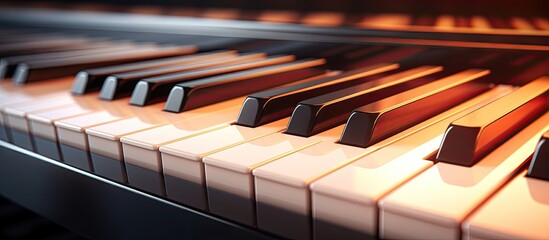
x=198 y=93
x=47 y=69
x=120 y=85
x=471 y=137
x=326 y=111
x=539 y=167
x=8 y=64
x=91 y=79
x=264 y=107
x=156 y=89
x=378 y=120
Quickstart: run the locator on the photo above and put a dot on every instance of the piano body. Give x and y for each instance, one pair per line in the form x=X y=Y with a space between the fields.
x=290 y=119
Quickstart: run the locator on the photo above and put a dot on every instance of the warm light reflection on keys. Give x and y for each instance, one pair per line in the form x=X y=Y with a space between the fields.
x=378 y=120
x=468 y=139
x=410 y=212
x=289 y=178
x=239 y=162
x=182 y=163
x=357 y=187
x=520 y=210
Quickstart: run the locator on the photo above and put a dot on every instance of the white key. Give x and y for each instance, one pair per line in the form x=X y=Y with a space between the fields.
x=520 y=210
x=15 y=116
x=44 y=132
x=182 y=160
x=434 y=204
x=344 y=203
x=234 y=165
x=141 y=149
x=73 y=141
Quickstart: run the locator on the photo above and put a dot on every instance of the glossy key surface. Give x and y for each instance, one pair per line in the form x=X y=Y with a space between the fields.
x=378 y=120
x=156 y=89
x=320 y=113
x=270 y=105
x=192 y=94
x=469 y=138
x=409 y=212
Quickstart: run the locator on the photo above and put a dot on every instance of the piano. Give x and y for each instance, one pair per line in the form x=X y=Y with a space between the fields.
x=282 y=120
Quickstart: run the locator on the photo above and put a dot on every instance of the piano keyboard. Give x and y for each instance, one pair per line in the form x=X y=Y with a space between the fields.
x=302 y=140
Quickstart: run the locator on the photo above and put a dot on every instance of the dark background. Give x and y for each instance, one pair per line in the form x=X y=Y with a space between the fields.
x=459 y=7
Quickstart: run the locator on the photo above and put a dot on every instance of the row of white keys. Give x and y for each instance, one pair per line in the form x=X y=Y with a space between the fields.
x=344 y=202
x=46 y=132
x=435 y=203
x=104 y=138
x=12 y=95
x=43 y=130
x=282 y=187
x=64 y=118
x=182 y=160
x=35 y=118
x=32 y=122
x=15 y=116
x=229 y=180
x=141 y=149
